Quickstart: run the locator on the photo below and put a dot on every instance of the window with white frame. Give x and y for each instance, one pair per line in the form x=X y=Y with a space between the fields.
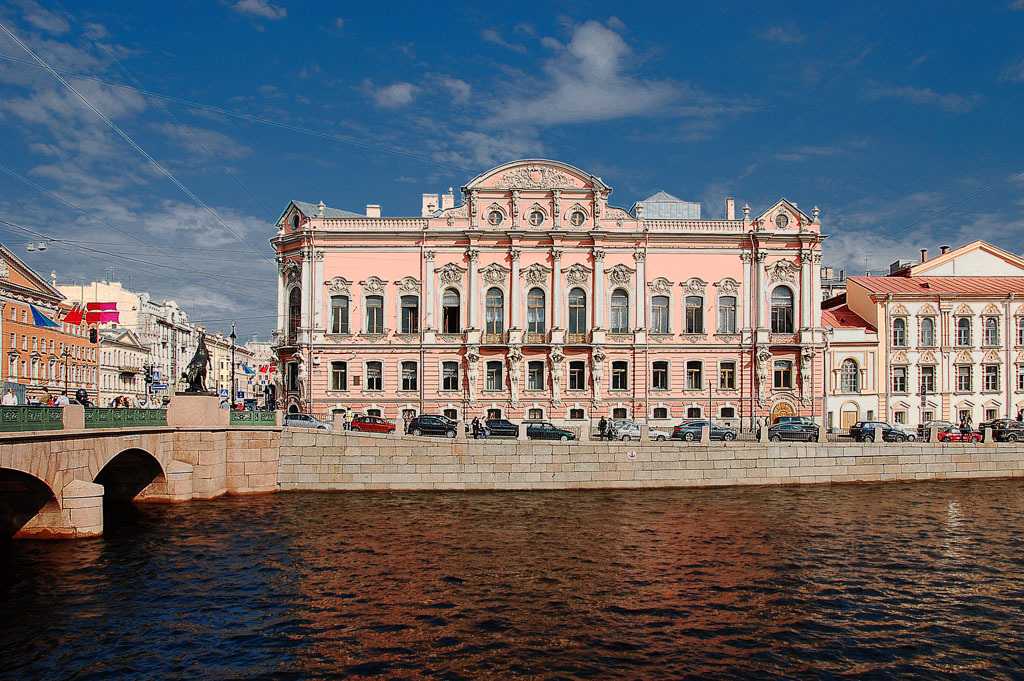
x=899 y=379
x=782 y=310
x=727 y=375
x=577 y=311
x=963 y=331
x=991 y=331
x=991 y=377
x=900 y=416
x=535 y=414
x=535 y=375
x=495 y=379
x=449 y=375
x=693 y=412
x=535 y=311
x=1020 y=330
x=727 y=314
x=1020 y=377
x=495 y=304
x=619 y=413
x=694 y=375
x=659 y=375
x=374 y=376
x=783 y=374
x=899 y=332
x=849 y=376
x=659 y=314
x=620 y=375
x=339 y=314
x=410 y=322
x=990 y=414
x=450 y=309
x=926 y=379
x=694 y=314
x=927 y=332
x=620 y=311
x=577 y=375
x=963 y=378
x=375 y=315
x=410 y=378
x=339 y=376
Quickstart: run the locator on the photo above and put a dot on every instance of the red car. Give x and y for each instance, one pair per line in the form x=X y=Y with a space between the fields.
x=954 y=435
x=372 y=424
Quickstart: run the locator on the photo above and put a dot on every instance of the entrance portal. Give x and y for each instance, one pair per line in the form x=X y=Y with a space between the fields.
x=782 y=409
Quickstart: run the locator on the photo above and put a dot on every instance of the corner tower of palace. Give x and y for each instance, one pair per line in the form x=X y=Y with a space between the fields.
x=534 y=298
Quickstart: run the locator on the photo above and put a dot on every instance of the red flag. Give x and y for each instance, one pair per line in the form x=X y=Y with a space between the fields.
x=74 y=317
x=101 y=317
x=100 y=306
x=264 y=368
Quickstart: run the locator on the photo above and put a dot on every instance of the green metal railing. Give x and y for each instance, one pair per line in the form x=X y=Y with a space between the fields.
x=114 y=417
x=252 y=418
x=21 y=419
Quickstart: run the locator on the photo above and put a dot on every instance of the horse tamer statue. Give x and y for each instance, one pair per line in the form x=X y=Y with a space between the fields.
x=195 y=372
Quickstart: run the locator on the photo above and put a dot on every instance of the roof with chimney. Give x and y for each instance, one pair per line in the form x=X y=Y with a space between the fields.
x=978 y=258
x=940 y=286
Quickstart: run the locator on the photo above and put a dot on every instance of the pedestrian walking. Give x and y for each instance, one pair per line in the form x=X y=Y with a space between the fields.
x=62 y=399
x=10 y=399
x=475 y=426
x=602 y=428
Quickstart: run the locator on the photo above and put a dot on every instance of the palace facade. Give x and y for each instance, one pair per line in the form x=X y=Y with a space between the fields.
x=534 y=298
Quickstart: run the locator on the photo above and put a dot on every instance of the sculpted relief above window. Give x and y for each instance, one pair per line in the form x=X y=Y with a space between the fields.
x=534 y=177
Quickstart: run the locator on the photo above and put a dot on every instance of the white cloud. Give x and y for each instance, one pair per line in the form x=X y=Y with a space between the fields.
x=784 y=34
x=801 y=153
x=217 y=143
x=1014 y=71
x=260 y=8
x=45 y=20
x=491 y=35
x=392 y=96
x=950 y=102
x=459 y=89
x=473 y=149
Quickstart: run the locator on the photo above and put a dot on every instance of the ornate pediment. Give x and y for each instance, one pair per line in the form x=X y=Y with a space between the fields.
x=964 y=357
x=926 y=309
x=534 y=177
x=1020 y=357
x=621 y=275
x=728 y=286
x=695 y=286
x=783 y=270
x=536 y=274
x=963 y=309
x=451 y=273
x=292 y=271
x=899 y=357
x=373 y=285
x=660 y=285
x=409 y=285
x=338 y=285
x=991 y=309
x=577 y=274
x=991 y=356
x=928 y=357
x=495 y=273
x=899 y=310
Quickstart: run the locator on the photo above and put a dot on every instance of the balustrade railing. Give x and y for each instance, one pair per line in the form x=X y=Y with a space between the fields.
x=119 y=417
x=252 y=418
x=21 y=419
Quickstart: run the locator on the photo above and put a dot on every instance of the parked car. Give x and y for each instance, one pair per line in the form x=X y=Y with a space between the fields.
x=542 y=430
x=1004 y=430
x=802 y=421
x=691 y=430
x=629 y=430
x=953 y=434
x=864 y=431
x=305 y=421
x=433 y=424
x=925 y=428
x=372 y=424
x=792 y=431
x=501 y=428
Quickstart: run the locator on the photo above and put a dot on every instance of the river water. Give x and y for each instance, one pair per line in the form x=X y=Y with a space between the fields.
x=909 y=581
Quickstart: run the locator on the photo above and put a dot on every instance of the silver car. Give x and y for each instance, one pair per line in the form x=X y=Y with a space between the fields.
x=305 y=421
x=630 y=430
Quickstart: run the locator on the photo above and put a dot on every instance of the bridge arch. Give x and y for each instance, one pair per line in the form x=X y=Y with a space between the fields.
x=130 y=473
x=23 y=497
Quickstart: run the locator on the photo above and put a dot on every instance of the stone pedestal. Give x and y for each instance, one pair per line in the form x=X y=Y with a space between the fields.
x=986 y=435
x=522 y=433
x=762 y=433
x=74 y=417
x=933 y=434
x=822 y=434
x=878 y=434
x=705 y=433
x=585 y=432
x=196 y=411
x=339 y=423
x=645 y=433
x=460 y=430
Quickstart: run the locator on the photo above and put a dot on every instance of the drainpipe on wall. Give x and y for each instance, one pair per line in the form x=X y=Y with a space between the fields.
x=752 y=312
x=422 y=317
x=647 y=340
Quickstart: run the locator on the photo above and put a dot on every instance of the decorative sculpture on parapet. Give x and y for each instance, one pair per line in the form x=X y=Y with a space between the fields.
x=195 y=372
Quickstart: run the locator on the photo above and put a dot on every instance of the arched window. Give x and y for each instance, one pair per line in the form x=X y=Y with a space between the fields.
x=577 y=311
x=495 y=312
x=535 y=312
x=963 y=331
x=659 y=314
x=991 y=331
x=294 y=314
x=620 y=311
x=782 y=310
x=928 y=332
x=694 y=314
x=849 y=376
x=899 y=332
x=450 y=312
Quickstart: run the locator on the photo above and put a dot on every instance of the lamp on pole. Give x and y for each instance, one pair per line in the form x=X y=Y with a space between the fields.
x=65 y=354
x=233 y=337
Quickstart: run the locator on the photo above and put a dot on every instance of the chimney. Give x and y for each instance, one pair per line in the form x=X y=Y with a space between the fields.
x=943 y=250
x=730 y=209
x=372 y=210
x=842 y=275
x=429 y=205
x=924 y=254
x=448 y=200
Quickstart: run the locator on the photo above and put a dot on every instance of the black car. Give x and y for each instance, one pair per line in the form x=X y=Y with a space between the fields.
x=1004 y=430
x=691 y=430
x=542 y=430
x=501 y=428
x=792 y=431
x=864 y=431
x=438 y=426
x=802 y=421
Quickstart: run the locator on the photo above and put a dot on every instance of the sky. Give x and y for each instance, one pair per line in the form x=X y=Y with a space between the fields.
x=164 y=139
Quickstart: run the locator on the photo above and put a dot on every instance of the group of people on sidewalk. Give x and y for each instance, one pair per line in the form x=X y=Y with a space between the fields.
x=10 y=399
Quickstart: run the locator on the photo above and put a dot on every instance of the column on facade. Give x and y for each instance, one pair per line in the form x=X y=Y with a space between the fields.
x=641 y=283
x=474 y=288
x=556 y=288
x=282 y=302
x=307 y=284
x=806 y=286
x=759 y=290
x=318 y=290
x=429 y=290
x=516 y=289
x=599 y=254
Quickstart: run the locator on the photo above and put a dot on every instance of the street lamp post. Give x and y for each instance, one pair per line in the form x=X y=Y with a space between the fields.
x=233 y=337
x=66 y=354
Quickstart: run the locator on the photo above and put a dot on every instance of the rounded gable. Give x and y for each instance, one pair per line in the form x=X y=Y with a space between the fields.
x=536 y=174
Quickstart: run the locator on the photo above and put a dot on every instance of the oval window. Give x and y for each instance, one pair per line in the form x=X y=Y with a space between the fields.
x=295 y=222
x=577 y=218
x=782 y=221
x=494 y=217
x=536 y=218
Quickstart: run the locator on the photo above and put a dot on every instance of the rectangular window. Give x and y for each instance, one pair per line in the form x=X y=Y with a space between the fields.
x=1020 y=378
x=990 y=414
x=374 y=376
x=727 y=376
x=659 y=375
x=409 y=376
x=660 y=413
x=620 y=378
x=375 y=315
x=659 y=314
x=694 y=314
x=1020 y=330
x=693 y=412
x=991 y=377
x=535 y=414
x=783 y=374
x=576 y=415
x=619 y=413
x=727 y=314
x=694 y=375
x=535 y=376
x=339 y=376
x=727 y=412
x=927 y=416
x=24 y=342
x=899 y=379
x=339 y=314
x=900 y=417
x=14 y=341
x=963 y=378
x=449 y=375
x=452 y=414
x=927 y=375
x=577 y=375
x=963 y=331
x=494 y=376
x=410 y=314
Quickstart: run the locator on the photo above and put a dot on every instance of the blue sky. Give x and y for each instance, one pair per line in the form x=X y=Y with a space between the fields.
x=887 y=116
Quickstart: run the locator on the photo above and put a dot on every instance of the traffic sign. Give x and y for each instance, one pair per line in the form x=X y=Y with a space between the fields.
x=159 y=386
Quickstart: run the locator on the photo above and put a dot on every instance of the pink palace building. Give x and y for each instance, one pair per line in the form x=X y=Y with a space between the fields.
x=536 y=299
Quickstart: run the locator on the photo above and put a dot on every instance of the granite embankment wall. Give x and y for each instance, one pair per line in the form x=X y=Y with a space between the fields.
x=341 y=461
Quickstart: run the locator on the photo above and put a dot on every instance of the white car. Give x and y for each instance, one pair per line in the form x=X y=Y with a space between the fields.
x=305 y=421
x=628 y=430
